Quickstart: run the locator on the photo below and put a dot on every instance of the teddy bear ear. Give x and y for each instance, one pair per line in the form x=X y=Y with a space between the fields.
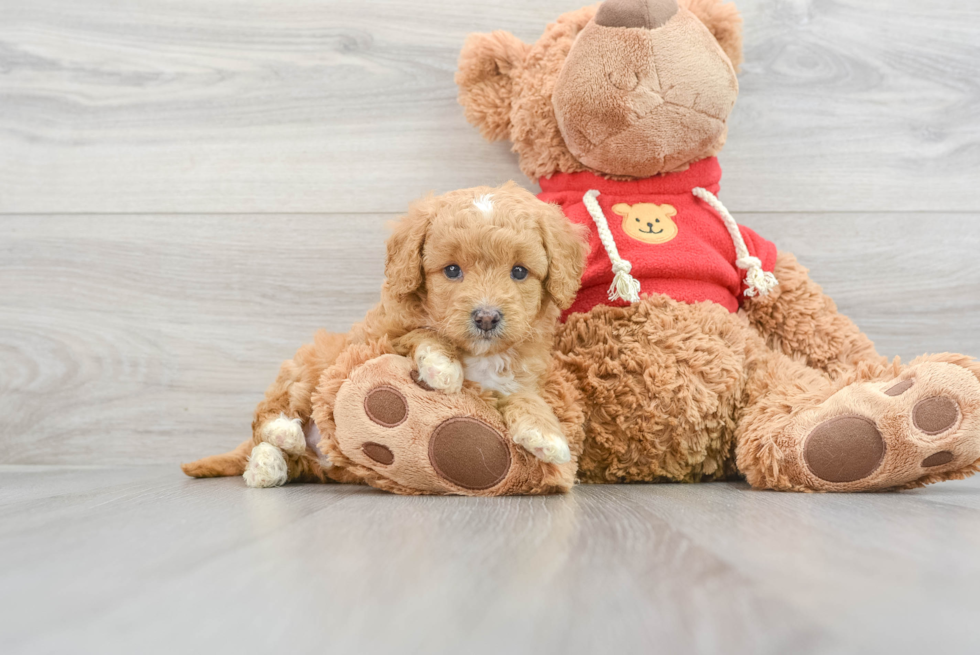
x=724 y=22
x=622 y=209
x=486 y=80
x=669 y=210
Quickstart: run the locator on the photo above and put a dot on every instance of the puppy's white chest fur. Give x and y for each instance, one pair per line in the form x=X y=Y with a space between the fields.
x=492 y=372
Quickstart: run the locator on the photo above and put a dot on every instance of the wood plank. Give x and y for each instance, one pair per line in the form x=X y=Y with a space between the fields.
x=856 y=105
x=345 y=106
x=155 y=336
x=850 y=562
x=328 y=563
x=139 y=339
x=158 y=563
x=126 y=333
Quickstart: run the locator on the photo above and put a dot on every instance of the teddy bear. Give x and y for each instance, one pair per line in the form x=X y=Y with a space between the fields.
x=695 y=349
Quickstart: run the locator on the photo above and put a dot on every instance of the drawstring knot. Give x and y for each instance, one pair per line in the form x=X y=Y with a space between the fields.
x=759 y=282
x=624 y=285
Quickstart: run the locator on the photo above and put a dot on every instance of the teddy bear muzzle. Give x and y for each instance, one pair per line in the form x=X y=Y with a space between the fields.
x=649 y=14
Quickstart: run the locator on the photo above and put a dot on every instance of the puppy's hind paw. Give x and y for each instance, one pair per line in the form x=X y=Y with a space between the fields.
x=285 y=434
x=266 y=467
x=439 y=371
x=546 y=446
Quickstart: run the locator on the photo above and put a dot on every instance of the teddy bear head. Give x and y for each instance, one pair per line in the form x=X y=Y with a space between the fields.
x=631 y=89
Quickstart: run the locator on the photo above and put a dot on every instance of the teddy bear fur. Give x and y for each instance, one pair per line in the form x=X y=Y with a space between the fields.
x=787 y=393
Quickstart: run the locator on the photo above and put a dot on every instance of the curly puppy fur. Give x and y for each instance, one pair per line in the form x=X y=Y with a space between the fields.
x=484 y=233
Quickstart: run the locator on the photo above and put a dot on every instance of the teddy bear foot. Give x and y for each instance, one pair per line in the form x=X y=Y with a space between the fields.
x=922 y=426
x=401 y=435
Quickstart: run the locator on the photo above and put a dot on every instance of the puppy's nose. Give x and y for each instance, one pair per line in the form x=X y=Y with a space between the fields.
x=650 y=14
x=487 y=319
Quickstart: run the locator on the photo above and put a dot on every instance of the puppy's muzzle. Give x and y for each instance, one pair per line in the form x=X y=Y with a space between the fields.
x=486 y=319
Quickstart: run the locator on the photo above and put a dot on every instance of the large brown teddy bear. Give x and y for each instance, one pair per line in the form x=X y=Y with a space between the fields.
x=694 y=350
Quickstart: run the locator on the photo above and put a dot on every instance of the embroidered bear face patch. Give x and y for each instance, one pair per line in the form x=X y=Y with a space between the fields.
x=647 y=222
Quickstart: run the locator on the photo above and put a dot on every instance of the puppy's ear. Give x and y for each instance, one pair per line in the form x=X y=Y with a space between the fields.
x=403 y=262
x=725 y=23
x=669 y=210
x=486 y=80
x=567 y=246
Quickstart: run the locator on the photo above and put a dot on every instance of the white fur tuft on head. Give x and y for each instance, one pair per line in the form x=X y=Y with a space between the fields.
x=485 y=204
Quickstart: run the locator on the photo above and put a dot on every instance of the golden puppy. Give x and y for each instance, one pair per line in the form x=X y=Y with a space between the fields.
x=475 y=283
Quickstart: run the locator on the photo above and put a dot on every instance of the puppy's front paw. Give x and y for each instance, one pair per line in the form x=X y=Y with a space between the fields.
x=266 y=467
x=439 y=371
x=546 y=446
x=286 y=434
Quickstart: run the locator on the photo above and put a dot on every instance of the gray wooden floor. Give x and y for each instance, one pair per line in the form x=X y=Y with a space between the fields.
x=189 y=189
x=139 y=560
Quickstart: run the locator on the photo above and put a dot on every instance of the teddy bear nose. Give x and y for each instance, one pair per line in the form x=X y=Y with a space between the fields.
x=487 y=319
x=650 y=14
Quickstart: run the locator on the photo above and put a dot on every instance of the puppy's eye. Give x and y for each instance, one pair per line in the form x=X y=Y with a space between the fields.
x=518 y=273
x=637 y=220
x=453 y=272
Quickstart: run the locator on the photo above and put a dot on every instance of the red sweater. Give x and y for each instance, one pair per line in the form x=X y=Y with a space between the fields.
x=677 y=244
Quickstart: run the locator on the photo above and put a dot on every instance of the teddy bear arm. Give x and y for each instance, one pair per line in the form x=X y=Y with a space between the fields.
x=798 y=319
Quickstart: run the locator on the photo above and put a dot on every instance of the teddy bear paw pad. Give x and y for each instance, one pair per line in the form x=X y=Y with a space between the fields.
x=469 y=453
x=935 y=415
x=844 y=449
x=939 y=459
x=378 y=452
x=386 y=406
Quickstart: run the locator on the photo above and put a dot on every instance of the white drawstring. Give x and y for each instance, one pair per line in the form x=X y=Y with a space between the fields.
x=759 y=282
x=624 y=285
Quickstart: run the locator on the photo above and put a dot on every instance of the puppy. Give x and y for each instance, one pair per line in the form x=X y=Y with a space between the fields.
x=475 y=283
x=476 y=280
